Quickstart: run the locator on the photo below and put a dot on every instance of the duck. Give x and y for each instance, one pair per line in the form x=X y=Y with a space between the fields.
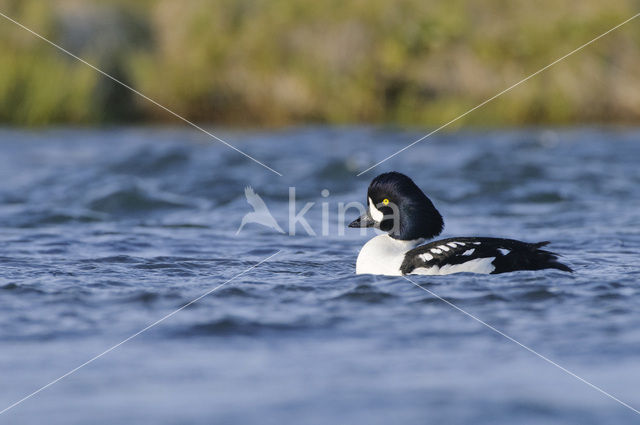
x=407 y=217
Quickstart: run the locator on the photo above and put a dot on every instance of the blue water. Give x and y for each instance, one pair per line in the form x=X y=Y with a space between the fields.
x=106 y=231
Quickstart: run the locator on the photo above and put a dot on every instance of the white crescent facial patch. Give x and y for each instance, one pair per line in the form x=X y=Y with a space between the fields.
x=376 y=214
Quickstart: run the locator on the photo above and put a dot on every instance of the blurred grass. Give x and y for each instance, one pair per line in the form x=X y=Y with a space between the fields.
x=277 y=62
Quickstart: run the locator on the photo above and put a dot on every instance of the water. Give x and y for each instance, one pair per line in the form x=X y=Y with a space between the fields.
x=105 y=232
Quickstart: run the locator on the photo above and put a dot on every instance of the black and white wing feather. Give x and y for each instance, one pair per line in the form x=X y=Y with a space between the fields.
x=479 y=255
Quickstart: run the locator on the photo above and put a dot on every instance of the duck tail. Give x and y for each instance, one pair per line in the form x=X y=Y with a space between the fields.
x=530 y=257
x=547 y=259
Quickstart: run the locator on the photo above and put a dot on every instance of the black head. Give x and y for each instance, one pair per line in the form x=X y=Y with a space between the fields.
x=396 y=205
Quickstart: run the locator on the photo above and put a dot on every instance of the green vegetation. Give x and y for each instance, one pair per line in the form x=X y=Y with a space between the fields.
x=276 y=62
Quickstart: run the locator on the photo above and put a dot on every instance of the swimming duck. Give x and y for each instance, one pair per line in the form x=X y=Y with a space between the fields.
x=397 y=206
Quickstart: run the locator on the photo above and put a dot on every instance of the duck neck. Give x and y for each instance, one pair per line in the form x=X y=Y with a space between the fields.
x=406 y=245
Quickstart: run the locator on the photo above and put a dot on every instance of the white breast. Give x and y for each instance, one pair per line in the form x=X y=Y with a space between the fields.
x=384 y=255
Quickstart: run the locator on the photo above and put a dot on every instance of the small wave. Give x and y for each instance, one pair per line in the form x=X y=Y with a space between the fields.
x=544 y=197
x=21 y=289
x=539 y=294
x=29 y=219
x=144 y=297
x=238 y=326
x=338 y=170
x=366 y=294
x=133 y=200
x=152 y=160
x=235 y=292
x=112 y=259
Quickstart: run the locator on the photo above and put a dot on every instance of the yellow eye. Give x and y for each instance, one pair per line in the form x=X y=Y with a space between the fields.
x=385 y=201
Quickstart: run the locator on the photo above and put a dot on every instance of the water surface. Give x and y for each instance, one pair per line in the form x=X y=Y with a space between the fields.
x=106 y=231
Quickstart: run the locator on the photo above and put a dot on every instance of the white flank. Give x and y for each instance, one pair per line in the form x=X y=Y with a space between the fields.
x=376 y=214
x=469 y=251
x=503 y=251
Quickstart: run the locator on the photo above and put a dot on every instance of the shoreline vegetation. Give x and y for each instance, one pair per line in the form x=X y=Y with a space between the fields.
x=284 y=62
